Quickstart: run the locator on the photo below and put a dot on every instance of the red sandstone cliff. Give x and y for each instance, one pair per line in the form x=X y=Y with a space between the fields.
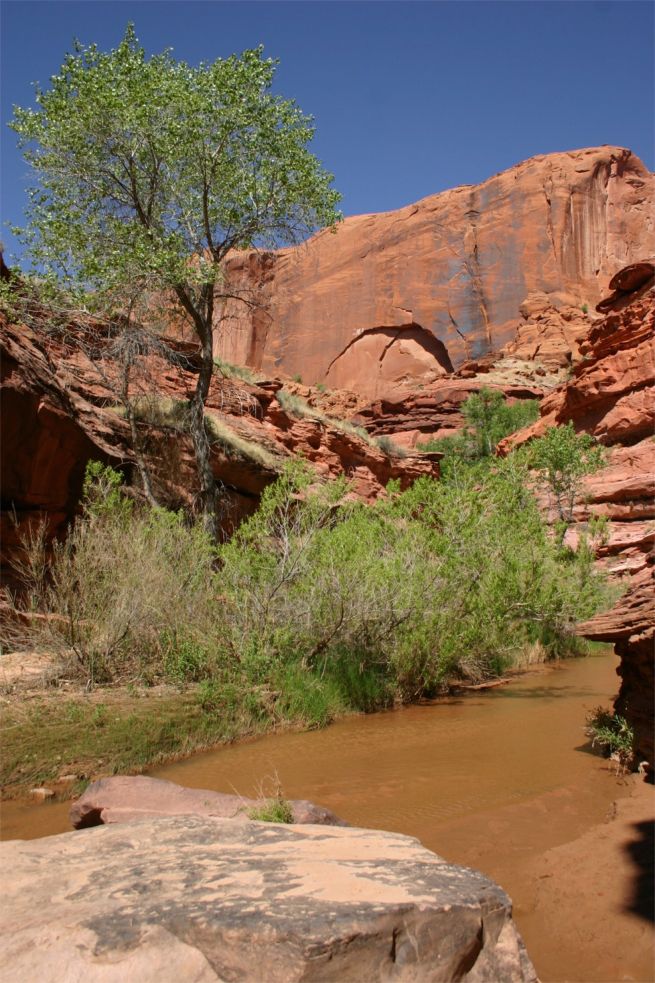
x=393 y=300
x=611 y=394
x=57 y=415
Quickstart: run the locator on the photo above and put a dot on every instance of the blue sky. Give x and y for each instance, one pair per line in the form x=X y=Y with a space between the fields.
x=410 y=98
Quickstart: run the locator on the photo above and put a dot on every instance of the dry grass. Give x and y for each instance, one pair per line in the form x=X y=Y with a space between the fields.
x=301 y=409
x=159 y=411
x=231 y=371
x=162 y=411
x=239 y=446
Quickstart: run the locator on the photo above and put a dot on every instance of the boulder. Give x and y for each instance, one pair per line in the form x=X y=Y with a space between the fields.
x=209 y=900
x=632 y=277
x=391 y=300
x=126 y=797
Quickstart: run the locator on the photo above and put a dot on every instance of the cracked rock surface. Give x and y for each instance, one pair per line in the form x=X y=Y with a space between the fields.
x=200 y=899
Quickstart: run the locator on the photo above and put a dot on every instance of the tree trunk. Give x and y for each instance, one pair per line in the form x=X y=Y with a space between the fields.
x=201 y=445
x=202 y=316
x=139 y=457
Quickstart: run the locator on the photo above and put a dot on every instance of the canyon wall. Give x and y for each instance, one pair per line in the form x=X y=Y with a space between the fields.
x=395 y=300
x=611 y=395
x=59 y=410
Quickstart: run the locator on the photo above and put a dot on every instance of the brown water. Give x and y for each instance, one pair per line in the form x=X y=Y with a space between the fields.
x=492 y=780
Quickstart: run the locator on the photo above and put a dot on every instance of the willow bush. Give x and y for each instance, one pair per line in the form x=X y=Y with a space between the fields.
x=447 y=579
x=319 y=603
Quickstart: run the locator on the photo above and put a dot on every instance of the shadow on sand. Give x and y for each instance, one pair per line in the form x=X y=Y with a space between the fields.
x=641 y=851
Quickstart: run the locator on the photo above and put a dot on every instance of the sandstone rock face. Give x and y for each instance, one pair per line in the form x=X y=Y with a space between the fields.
x=55 y=418
x=395 y=299
x=612 y=390
x=125 y=797
x=611 y=395
x=211 y=900
x=630 y=625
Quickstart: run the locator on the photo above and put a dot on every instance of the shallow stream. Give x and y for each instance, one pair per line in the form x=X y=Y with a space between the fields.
x=491 y=780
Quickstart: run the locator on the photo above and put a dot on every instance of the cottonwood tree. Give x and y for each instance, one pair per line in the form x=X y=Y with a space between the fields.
x=561 y=459
x=150 y=171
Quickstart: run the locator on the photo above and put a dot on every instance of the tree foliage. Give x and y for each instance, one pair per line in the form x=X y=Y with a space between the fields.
x=561 y=459
x=149 y=171
x=145 y=163
x=488 y=417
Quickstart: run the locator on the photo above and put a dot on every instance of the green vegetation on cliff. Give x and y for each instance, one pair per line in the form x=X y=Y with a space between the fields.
x=488 y=417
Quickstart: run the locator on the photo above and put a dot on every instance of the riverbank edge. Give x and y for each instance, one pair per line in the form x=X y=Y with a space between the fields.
x=56 y=742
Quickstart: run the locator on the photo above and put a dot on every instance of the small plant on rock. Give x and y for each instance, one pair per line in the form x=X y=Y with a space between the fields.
x=274 y=809
x=613 y=734
x=389 y=447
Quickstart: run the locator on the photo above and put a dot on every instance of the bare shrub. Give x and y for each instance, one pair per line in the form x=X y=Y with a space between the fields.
x=128 y=588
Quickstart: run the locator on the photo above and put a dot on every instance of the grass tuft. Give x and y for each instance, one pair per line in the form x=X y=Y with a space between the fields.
x=276 y=810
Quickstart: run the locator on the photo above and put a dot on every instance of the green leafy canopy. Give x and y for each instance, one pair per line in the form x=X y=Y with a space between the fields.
x=143 y=163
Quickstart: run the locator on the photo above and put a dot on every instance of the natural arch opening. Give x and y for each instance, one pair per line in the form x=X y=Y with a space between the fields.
x=386 y=358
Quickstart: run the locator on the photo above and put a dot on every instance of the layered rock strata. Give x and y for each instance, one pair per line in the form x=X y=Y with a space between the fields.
x=434 y=412
x=212 y=900
x=394 y=300
x=611 y=395
x=59 y=411
x=612 y=387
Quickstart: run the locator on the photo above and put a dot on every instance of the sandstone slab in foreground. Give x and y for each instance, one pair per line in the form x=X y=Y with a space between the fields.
x=200 y=900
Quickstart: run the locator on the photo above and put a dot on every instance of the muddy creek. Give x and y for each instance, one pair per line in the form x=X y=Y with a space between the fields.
x=493 y=780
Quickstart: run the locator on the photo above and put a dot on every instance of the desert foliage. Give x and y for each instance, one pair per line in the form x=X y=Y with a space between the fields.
x=318 y=603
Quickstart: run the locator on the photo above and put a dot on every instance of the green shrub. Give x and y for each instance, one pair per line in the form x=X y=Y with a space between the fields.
x=561 y=458
x=184 y=660
x=613 y=734
x=133 y=591
x=306 y=698
x=488 y=419
x=445 y=579
x=320 y=604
